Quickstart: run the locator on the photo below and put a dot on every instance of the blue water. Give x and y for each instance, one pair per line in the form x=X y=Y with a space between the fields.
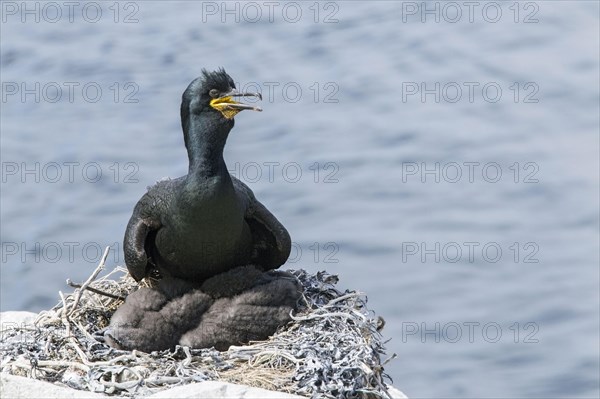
x=489 y=282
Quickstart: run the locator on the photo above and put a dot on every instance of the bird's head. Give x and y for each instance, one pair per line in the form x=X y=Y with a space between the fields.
x=214 y=93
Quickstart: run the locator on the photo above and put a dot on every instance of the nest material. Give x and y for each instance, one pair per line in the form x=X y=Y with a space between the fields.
x=332 y=348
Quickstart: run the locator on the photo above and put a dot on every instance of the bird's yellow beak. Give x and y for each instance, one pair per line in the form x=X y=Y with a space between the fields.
x=227 y=106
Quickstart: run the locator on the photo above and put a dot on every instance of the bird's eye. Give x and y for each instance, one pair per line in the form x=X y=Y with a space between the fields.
x=214 y=93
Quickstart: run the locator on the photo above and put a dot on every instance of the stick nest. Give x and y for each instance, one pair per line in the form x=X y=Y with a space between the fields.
x=332 y=348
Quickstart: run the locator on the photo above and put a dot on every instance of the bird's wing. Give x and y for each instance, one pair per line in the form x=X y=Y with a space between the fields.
x=138 y=244
x=271 y=241
x=135 y=244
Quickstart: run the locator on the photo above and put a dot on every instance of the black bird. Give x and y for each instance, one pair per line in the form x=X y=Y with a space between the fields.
x=207 y=222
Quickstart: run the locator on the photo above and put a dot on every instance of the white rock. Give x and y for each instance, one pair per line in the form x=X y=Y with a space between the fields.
x=220 y=390
x=226 y=390
x=396 y=393
x=16 y=319
x=14 y=387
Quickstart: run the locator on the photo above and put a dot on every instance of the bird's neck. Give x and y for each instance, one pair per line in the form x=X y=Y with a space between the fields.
x=205 y=140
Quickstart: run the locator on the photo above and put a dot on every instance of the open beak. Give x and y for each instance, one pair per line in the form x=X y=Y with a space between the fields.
x=229 y=107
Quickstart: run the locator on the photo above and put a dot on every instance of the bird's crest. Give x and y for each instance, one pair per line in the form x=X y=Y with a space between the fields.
x=218 y=79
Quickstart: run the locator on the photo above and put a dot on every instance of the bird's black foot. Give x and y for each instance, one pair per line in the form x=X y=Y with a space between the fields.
x=231 y=308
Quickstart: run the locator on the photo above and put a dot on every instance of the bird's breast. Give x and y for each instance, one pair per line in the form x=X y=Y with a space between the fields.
x=206 y=234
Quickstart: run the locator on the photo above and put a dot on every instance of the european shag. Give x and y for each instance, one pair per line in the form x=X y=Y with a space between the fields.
x=212 y=243
x=206 y=222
